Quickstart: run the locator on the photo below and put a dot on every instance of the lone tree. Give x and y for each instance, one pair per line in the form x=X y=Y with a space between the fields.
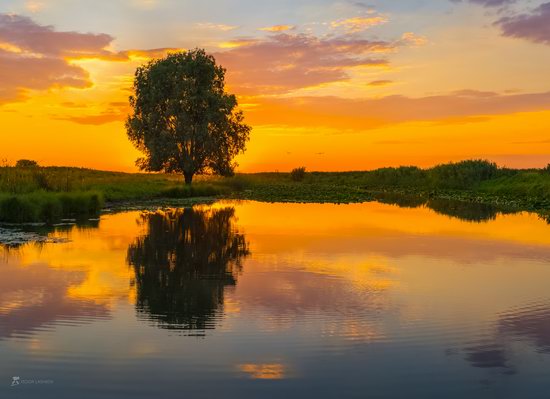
x=183 y=120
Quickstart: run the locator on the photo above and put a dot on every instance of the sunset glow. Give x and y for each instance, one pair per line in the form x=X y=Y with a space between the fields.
x=332 y=85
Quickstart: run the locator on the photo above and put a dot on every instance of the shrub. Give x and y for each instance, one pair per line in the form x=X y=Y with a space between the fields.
x=26 y=163
x=298 y=174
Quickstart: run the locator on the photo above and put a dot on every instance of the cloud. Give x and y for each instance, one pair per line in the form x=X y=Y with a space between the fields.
x=362 y=114
x=284 y=62
x=37 y=57
x=39 y=40
x=213 y=26
x=277 y=28
x=533 y=26
x=376 y=83
x=359 y=24
x=113 y=112
x=34 y=57
x=487 y=3
x=412 y=39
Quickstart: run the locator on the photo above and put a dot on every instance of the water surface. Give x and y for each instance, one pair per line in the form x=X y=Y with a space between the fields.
x=247 y=299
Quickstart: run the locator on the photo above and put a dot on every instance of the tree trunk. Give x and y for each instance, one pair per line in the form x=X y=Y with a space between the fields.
x=188 y=178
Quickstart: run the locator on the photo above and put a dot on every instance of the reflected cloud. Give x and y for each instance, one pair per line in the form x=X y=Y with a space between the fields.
x=266 y=371
x=487 y=356
x=183 y=265
x=36 y=296
x=529 y=324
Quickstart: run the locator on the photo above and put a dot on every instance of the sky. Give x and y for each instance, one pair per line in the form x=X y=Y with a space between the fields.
x=325 y=84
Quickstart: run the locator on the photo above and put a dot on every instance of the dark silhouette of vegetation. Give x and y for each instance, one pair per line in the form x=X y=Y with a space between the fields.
x=26 y=163
x=183 y=264
x=183 y=120
x=298 y=174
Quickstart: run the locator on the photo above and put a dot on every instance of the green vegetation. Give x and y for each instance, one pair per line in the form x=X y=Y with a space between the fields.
x=47 y=207
x=48 y=194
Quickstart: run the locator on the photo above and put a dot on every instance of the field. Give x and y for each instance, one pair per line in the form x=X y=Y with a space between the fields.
x=49 y=194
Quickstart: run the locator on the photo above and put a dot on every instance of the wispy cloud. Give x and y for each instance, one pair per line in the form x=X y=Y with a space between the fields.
x=284 y=62
x=377 y=83
x=487 y=3
x=362 y=114
x=359 y=24
x=277 y=28
x=214 y=26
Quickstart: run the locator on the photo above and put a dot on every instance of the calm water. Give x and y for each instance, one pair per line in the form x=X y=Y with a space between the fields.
x=255 y=300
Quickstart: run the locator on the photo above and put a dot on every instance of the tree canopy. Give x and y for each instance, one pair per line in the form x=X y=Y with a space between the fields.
x=183 y=120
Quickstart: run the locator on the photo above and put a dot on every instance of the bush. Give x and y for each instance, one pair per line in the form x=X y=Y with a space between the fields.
x=298 y=174
x=26 y=163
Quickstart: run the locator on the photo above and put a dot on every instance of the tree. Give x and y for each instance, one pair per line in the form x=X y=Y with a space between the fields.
x=183 y=120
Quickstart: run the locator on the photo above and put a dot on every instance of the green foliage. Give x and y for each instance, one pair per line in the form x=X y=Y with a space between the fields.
x=70 y=192
x=183 y=120
x=189 y=191
x=15 y=209
x=298 y=174
x=46 y=207
x=403 y=176
x=462 y=175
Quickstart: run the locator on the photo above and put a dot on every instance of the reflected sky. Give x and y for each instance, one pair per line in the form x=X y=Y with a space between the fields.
x=251 y=299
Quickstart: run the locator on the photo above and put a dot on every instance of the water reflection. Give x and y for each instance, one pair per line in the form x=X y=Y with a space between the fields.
x=463 y=210
x=529 y=325
x=184 y=263
x=38 y=297
x=15 y=236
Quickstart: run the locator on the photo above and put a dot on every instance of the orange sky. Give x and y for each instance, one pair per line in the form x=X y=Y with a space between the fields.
x=331 y=85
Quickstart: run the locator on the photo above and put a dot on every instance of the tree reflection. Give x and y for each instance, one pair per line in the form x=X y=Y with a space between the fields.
x=183 y=264
x=464 y=210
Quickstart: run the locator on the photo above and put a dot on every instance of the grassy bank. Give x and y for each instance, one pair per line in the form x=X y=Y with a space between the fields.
x=51 y=193
x=48 y=207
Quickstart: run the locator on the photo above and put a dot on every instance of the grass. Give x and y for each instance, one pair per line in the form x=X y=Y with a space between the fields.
x=47 y=207
x=48 y=194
